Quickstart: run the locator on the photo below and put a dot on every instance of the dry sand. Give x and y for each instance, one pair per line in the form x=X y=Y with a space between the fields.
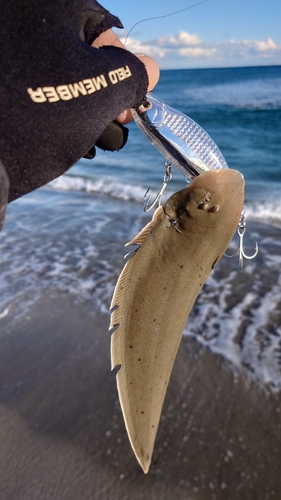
x=62 y=434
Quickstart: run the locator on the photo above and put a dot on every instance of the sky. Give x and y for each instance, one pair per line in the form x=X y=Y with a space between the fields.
x=216 y=33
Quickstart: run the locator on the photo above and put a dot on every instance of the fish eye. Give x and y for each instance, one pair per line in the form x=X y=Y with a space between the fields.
x=173 y=222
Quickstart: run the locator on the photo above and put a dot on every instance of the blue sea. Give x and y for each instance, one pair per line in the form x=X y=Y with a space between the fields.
x=68 y=237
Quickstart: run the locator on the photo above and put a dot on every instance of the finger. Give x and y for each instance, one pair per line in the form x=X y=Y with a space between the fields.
x=152 y=68
x=153 y=72
x=124 y=117
x=107 y=38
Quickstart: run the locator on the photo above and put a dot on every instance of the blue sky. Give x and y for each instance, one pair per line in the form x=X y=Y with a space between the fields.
x=217 y=33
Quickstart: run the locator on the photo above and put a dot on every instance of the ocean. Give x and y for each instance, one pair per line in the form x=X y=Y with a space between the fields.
x=68 y=237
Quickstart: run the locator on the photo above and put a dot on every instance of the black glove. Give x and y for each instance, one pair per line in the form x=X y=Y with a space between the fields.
x=4 y=192
x=57 y=93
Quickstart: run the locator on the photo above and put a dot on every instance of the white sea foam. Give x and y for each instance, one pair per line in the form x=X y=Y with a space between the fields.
x=4 y=313
x=104 y=186
x=266 y=212
x=77 y=270
x=238 y=315
x=54 y=249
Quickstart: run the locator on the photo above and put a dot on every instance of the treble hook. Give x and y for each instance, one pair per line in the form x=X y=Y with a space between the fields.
x=167 y=177
x=239 y=251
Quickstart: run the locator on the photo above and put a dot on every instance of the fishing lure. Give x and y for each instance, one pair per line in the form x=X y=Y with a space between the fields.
x=185 y=145
x=178 y=138
x=157 y=289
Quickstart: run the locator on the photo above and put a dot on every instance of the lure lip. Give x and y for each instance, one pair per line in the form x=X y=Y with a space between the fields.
x=166 y=129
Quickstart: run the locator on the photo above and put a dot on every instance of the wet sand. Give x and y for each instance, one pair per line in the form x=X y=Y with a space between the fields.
x=62 y=434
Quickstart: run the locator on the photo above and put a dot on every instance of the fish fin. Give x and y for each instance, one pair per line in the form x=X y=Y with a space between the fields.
x=118 y=294
x=116 y=355
x=121 y=305
x=116 y=315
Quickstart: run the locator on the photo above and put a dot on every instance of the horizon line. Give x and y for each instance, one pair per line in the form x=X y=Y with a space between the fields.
x=223 y=67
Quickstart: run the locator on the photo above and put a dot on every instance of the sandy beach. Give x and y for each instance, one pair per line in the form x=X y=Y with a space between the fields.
x=62 y=434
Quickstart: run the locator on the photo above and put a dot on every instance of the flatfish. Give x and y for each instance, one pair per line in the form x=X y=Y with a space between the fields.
x=156 y=291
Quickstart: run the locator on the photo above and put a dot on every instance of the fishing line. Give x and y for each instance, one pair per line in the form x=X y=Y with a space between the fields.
x=161 y=17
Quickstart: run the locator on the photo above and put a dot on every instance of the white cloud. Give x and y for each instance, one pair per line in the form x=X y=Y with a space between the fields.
x=182 y=39
x=191 y=47
x=197 y=51
x=264 y=48
x=148 y=48
x=254 y=50
x=263 y=45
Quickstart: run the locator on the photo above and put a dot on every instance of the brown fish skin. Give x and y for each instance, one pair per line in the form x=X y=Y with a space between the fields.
x=157 y=289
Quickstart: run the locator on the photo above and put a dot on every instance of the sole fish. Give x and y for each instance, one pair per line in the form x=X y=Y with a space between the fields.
x=157 y=289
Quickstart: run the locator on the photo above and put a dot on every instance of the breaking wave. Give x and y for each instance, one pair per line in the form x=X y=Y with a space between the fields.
x=265 y=212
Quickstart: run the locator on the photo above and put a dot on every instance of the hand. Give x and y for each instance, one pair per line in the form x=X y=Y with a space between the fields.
x=152 y=68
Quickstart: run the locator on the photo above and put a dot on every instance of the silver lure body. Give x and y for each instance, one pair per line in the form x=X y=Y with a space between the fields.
x=178 y=138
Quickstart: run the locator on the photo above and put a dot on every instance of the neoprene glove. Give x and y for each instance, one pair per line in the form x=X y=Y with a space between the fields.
x=58 y=94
